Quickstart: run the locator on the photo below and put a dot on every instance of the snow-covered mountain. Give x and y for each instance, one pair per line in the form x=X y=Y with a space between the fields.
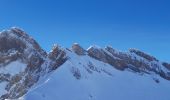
x=28 y=72
x=23 y=62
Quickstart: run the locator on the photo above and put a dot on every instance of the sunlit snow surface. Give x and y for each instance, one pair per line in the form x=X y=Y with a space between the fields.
x=13 y=68
x=2 y=88
x=101 y=82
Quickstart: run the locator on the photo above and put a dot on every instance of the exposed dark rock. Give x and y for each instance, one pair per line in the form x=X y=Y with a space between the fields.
x=16 y=45
x=8 y=43
x=129 y=59
x=78 y=49
x=142 y=54
x=76 y=73
x=123 y=60
x=166 y=65
x=102 y=55
x=97 y=53
x=57 y=56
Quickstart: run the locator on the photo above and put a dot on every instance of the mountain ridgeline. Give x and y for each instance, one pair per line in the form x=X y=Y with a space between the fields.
x=23 y=63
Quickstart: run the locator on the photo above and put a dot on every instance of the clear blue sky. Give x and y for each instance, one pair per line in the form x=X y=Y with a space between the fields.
x=142 y=24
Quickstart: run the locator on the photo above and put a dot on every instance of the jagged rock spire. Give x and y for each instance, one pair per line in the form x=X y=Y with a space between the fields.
x=142 y=54
x=16 y=45
x=78 y=49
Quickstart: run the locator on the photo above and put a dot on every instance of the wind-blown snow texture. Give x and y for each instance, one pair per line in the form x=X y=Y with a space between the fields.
x=29 y=73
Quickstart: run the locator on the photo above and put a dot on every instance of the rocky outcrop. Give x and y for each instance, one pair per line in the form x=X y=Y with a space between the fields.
x=56 y=57
x=129 y=58
x=134 y=60
x=78 y=49
x=17 y=46
x=142 y=54
x=166 y=65
x=101 y=54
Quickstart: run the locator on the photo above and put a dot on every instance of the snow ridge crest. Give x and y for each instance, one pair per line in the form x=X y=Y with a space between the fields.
x=17 y=47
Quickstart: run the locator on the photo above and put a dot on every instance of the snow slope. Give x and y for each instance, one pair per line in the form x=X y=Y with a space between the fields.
x=2 y=88
x=84 y=78
x=13 y=68
x=78 y=74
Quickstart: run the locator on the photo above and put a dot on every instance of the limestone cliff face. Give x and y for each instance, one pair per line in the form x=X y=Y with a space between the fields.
x=23 y=61
x=56 y=57
x=17 y=46
x=78 y=49
x=134 y=60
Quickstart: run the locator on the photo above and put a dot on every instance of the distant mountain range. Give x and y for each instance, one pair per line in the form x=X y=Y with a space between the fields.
x=27 y=72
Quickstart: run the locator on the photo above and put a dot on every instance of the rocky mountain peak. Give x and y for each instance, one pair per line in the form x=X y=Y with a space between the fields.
x=23 y=62
x=142 y=54
x=20 y=54
x=57 y=57
x=18 y=31
x=107 y=57
x=97 y=52
x=78 y=49
x=167 y=65
x=134 y=60
x=110 y=49
x=16 y=38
